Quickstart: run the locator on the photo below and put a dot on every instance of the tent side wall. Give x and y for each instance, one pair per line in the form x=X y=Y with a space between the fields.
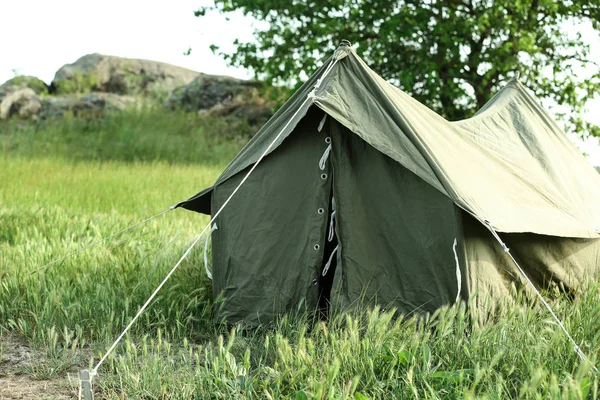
x=547 y=260
x=264 y=261
x=396 y=232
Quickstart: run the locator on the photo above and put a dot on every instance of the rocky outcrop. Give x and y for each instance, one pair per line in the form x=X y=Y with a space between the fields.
x=22 y=82
x=96 y=84
x=26 y=104
x=207 y=91
x=21 y=102
x=97 y=72
x=20 y=96
x=223 y=96
x=92 y=104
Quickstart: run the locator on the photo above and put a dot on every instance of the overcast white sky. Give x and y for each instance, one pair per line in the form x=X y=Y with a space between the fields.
x=37 y=37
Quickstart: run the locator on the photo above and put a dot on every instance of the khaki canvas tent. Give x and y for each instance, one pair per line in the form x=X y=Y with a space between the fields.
x=364 y=193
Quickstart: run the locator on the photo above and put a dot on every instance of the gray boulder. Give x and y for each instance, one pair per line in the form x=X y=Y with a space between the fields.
x=211 y=95
x=97 y=72
x=92 y=104
x=207 y=91
x=22 y=102
x=21 y=82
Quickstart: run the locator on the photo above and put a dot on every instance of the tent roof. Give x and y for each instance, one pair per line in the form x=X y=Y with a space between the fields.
x=510 y=164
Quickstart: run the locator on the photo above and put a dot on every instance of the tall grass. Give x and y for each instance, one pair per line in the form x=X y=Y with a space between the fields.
x=370 y=354
x=146 y=134
x=59 y=189
x=50 y=208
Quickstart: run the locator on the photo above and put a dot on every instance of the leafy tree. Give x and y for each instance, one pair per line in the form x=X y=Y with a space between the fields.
x=451 y=55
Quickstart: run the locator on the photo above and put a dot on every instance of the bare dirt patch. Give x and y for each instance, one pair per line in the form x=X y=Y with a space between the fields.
x=16 y=358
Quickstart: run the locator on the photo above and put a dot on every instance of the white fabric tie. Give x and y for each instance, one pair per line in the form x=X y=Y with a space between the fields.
x=331 y=223
x=322 y=123
x=324 y=158
x=326 y=269
x=208 y=273
x=331 y=228
x=458 y=277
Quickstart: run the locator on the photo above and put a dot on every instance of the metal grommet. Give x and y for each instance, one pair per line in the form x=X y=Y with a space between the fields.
x=316 y=247
x=314 y=281
x=323 y=176
x=327 y=140
x=320 y=211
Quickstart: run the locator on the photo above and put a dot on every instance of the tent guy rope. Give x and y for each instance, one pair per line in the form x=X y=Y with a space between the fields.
x=101 y=240
x=576 y=347
x=84 y=388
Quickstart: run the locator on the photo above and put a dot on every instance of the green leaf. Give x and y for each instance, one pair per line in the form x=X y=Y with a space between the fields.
x=300 y=395
x=404 y=358
x=360 y=396
x=451 y=56
x=426 y=359
x=585 y=385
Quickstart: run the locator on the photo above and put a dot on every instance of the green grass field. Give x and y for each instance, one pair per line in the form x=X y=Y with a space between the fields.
x=67 y=183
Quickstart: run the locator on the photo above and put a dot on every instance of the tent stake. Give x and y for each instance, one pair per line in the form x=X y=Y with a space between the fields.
x=85 y=385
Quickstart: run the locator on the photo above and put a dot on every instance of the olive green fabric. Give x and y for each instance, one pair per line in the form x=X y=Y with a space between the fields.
x=396 y=232
x=510 y=164
x=407 y=184
x=264 y=260
x=548 y=261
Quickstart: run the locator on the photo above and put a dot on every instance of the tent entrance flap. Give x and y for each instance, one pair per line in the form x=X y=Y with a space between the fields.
x=268 y=251
x=329 y=263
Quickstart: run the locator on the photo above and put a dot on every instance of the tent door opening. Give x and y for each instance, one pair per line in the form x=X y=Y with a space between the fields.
x=327 y=272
